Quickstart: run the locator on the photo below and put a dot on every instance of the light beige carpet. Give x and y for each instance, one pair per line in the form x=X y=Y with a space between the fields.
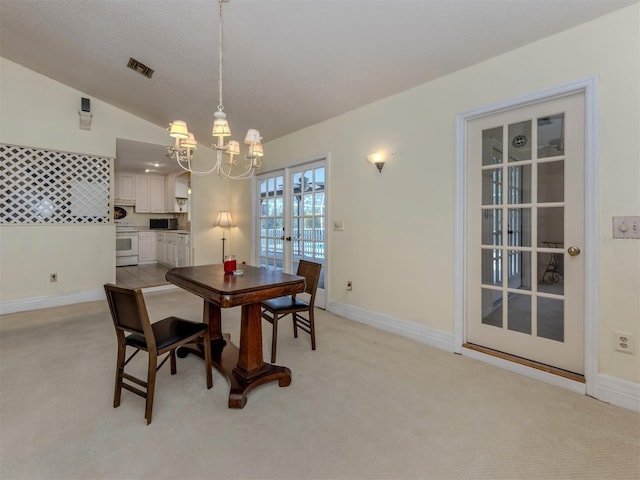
x=365 y=405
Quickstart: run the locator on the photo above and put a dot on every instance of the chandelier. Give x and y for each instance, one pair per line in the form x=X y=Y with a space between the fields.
x=185 y=143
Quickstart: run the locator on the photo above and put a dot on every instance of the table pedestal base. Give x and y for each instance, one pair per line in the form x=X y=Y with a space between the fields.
x=224 y=357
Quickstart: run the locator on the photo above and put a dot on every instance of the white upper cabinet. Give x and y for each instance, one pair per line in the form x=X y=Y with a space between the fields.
x=125 y=189
x=149 y=194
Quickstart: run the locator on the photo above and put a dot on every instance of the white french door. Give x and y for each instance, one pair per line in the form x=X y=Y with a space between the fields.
x=525 y=224
x=291 y=219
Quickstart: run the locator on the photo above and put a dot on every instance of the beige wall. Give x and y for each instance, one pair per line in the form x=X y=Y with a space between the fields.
x=211 y=195
x=397 y=243
x=38 y=112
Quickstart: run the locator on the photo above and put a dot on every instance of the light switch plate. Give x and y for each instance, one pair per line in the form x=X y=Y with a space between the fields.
x=338 y=226
x=626 y=227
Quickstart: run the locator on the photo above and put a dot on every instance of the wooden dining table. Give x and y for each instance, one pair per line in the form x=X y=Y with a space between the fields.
x=243 y=365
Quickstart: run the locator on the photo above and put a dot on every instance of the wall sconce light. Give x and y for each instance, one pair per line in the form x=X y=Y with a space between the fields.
x=224 y=220
x=379 y=159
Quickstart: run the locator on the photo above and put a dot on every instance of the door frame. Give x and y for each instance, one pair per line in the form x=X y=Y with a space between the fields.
x=589 y=87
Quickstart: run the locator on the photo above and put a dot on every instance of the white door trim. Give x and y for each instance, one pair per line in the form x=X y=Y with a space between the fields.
x=588 y=86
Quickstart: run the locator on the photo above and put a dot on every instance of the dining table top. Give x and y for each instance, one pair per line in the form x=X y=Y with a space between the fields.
x=248 y=284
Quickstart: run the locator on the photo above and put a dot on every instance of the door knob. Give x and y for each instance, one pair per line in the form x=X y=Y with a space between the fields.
x=573 y=251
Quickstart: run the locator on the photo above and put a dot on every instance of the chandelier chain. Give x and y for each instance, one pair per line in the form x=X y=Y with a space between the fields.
x=185 y=142
x=220 y=49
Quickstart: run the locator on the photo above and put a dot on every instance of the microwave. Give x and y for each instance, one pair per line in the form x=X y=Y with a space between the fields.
x=163 y=223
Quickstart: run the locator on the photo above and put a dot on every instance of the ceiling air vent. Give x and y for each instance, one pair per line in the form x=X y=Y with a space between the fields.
x=141 y=68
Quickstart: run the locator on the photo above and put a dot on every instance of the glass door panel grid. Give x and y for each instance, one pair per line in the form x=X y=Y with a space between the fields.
x=308 y=216
x=271 y=226
x=516 y=201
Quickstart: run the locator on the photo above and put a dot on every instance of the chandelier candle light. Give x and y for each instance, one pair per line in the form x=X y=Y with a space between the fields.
x=186 y=145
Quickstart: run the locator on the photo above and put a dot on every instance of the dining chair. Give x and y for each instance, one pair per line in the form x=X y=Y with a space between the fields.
x=276 y=308
x=134 y=329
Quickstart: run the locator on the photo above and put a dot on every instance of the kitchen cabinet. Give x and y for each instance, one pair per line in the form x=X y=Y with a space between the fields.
x=147 y=247
x=149 y=194
x=174 y=249
x=125 y=189
x=159 y=246
x=183 y=247
x=176 y=186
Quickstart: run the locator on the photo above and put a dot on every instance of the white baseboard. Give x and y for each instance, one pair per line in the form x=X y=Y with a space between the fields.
x=612 y=390
x=617 y=391
x=37 y=303
x=419 y=333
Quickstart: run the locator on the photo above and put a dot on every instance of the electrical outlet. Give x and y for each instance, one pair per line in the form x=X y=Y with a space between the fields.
x=338 y=225
x=349 y=285
x=623 y=342
x=53 y=277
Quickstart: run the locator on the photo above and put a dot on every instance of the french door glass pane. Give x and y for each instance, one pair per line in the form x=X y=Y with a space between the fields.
x=520 y=184
x=551 y=318
x=551 y=182
x=551 y=273
x=519 y=269
x=492 y=307
x=492 y=266
x=550 y=227
x=520 y=141
x=519 y=227
x=492 y=186
x=492 y=146
x=519 y=313
x=551 y=136
x=492 y=226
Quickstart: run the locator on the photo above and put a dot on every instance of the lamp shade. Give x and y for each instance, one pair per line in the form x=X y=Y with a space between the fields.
x=253 y=136
x=233 y=148
x=376 y=158
x=224 y=219
x=178 y=129
x=220 y=125
x=189 y=142
x=255 y=150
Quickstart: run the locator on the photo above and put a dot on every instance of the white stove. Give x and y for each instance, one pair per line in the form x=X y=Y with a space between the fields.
x=126 y=243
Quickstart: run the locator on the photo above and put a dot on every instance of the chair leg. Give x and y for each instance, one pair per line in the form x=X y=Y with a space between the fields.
x=274 y=338
x=151 y=385
x=119 y=370
x=173 y=361
x=294 y=318
x=312 y=327
x=207 y=360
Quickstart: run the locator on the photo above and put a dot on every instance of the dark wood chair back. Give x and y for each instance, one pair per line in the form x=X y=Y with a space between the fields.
x=134 y=329
x=311 y=273
x=129 y=311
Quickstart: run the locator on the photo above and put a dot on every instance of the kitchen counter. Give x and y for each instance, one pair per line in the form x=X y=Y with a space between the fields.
x=160 y=230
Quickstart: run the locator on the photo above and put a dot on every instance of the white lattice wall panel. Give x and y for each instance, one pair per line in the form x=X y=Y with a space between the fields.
x=47 y=187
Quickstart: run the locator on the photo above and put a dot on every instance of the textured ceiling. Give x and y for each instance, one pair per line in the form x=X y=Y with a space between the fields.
x=288 y=63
